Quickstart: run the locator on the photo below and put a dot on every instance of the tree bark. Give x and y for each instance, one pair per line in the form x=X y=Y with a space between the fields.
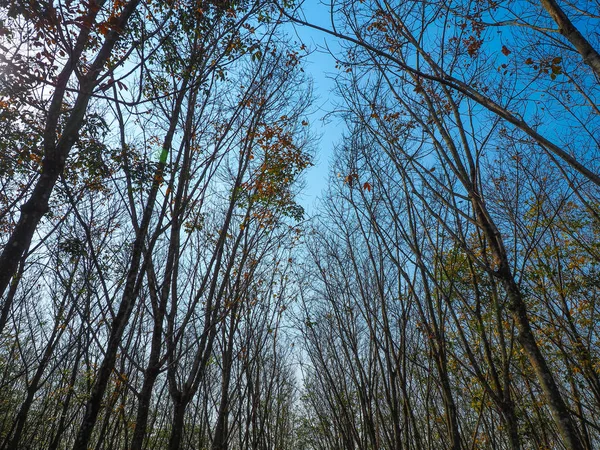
x=176 y=437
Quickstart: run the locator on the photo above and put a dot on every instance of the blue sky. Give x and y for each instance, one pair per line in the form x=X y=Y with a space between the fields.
x=320 y=66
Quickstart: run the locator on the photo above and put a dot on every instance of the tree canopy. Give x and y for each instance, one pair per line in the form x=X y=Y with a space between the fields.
x=161 y=286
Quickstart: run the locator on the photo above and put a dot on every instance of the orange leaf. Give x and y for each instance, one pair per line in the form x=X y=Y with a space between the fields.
x=367 y=187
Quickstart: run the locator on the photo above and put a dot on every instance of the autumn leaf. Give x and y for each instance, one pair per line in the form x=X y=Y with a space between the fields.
x=103 y=28
x=350 y=178
x=367 y=187
x=505 y=51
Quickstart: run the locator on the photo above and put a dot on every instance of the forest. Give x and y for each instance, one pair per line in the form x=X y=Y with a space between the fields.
x=163 y=287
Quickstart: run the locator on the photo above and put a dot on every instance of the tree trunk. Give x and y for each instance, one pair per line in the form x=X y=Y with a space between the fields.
x=141 y=421
x=568 y=30
x=526 y=338
x=177 y=423
x=56 y=151
x=130 y=292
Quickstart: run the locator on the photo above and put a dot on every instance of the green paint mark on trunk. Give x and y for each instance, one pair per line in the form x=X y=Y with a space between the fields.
x=163 y=155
